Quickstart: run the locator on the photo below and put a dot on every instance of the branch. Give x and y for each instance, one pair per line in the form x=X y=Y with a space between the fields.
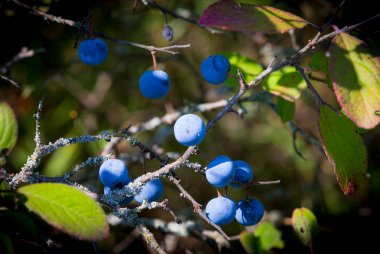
x=37 y=117
x=85 y=28
x=10 y=81
x=319 y=38
x=329 y=22
x=260 y=183
x=316 y=96
x=24 y=53
x=196 y=205
x=150 y=240
x=167 y=11
x=92 y=161
x=41 y=151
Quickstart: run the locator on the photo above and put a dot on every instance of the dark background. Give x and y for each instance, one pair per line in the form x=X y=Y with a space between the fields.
x=347 y=224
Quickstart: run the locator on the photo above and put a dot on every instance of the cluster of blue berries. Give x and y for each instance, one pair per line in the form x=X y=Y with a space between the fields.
x=113 y=174
x=189 y=130
x=223 y=172
x=155 y=84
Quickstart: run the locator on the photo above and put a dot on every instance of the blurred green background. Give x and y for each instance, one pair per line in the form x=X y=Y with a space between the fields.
x=87 y=100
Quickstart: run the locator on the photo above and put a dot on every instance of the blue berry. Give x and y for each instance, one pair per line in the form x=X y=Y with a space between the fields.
x=220 y=171
x=189 y=130
x=152 y=191
x=113 y=173
x=249 y=211
x=167 y=33
x=214 y=69
x=243 y=174
x=221 y=210
x=154 y=84
x=93 y=51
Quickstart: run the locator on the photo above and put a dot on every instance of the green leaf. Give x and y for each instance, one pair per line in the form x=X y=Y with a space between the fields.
x=344 y=148
x=319 y=61
x=285 y=109
x=250 y=242
x=269 y=236
x=6 y=246
x=305 y=225
x=68 y=209
x=286 y=82
x=60 y=162
x=356 y=79
x=229 y=15
x=8 y=127
x=264 y=238
x=248 y=67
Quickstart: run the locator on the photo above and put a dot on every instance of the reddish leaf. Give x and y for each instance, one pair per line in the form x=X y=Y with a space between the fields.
x=229 y=15
x=356 y=79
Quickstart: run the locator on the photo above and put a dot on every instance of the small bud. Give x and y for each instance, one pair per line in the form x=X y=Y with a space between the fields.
x=167 y=33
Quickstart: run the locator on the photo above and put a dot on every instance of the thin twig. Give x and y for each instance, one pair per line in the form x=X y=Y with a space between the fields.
x=260 y=183
x=329 y=22
x=79 y=26
x=294 y=137
x=22 y=54
x=167 y=11
x=317 y=97
x=309 y=138
x=149 y=238
x=196 y=205
x=165 y=205
x=91 y=161
x=37 y=117
x=10 y=81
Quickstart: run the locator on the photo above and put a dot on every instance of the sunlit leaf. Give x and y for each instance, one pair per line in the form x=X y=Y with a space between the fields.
x=264 y=238
x=250 y=242
x=269 y=236
x=305 y=225
x=229 y=15
x=68 y=209
x=344 y=148
x=8 y=127
x=285 y=109
x=286 y=82
x=356 y=79
x=249 y=68
x=61 y=161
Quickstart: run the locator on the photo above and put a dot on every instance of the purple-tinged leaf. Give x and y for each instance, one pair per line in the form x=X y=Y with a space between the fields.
x=229 y=15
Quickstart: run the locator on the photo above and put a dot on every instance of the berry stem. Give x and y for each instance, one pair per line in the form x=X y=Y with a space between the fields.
x=219 y=194
x=226 y=190
x=203 y=155
x=154 y=59
x=233 y=76
x=143 y=162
